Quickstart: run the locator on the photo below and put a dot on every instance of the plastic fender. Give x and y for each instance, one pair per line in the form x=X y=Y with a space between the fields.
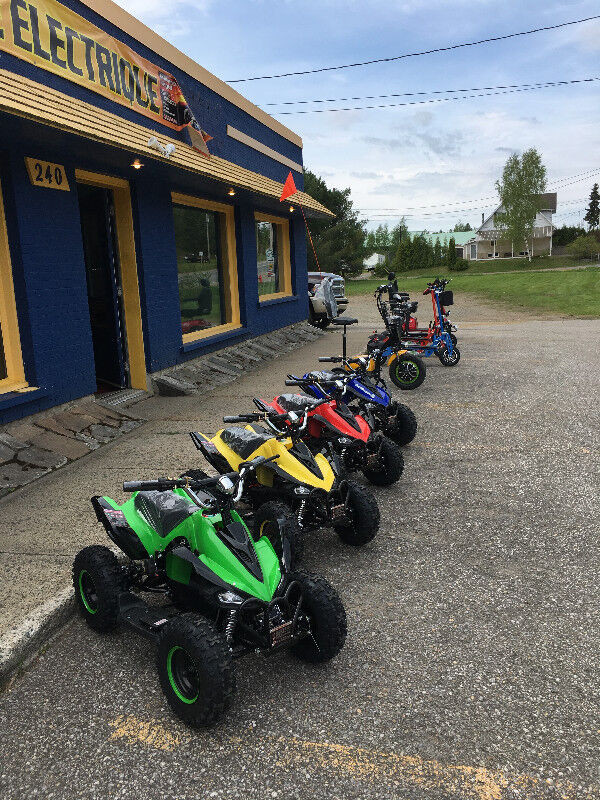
x=358 y=389
x=394 y=355
x=327 y=416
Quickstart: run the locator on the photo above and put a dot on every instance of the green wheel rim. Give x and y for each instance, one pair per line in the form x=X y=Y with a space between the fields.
x=183 y=676
x=87 y=592
x=402 y=377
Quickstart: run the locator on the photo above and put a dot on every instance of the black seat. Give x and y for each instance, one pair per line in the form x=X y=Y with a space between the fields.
x=323 y=375
x=244 y=442
x=344 y=321
x=295 y=402
x=164 y=511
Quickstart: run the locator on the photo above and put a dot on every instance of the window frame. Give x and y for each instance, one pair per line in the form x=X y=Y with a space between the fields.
x=284 y=258
x=11 y=340
x=230 y=288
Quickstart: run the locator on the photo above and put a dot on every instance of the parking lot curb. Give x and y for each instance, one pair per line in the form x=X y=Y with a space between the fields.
x=22 y=643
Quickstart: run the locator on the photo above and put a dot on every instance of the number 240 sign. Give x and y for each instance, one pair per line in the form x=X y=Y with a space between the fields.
x=47 y=175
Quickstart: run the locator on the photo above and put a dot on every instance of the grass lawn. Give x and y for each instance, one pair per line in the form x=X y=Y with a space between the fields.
x=576 y=292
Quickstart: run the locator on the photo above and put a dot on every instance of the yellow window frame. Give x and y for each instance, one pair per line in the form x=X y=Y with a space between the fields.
x=15 y=373
x=231 y=292
x=129 y=275
x=284 y=260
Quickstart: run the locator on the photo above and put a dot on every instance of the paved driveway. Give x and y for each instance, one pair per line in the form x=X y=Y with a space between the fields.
x=471 y=667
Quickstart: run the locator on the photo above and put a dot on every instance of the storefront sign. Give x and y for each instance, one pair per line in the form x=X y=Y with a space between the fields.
x=49 y=176
x=53 y=37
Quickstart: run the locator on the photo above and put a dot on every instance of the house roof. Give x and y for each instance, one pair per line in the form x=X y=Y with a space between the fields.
x=548 y=200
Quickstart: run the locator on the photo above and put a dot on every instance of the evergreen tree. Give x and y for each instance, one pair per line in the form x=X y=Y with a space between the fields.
x=593 y=211
x=422 y=253
x=402 y=260
x=451 y=257
x=437 y=253
x=462 y=227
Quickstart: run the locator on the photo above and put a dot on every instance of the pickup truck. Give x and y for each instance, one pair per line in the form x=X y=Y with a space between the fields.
x=317 y=313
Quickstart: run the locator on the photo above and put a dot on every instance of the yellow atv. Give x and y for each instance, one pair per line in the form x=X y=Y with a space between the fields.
x=307 y=491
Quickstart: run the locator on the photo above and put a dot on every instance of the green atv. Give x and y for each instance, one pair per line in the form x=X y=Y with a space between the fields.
x=227 y=593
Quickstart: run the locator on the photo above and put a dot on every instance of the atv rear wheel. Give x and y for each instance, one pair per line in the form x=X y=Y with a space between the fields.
x=364 y=513
x=401 y=426
x=266 y=524
x=407 y=371
x=98 y=581
x=389 y=466
x=195 y=668
x=327 y=617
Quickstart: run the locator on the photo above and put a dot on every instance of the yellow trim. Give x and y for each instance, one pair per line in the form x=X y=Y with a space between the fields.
x=129 y=277
x=284 y=256
x=15 y=374
x=231 y=292
x=129 y=24
x=41 y=104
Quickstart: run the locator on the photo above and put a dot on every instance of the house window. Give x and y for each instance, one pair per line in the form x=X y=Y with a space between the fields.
x=12 y=376
x=206 y=267
x=273 y=261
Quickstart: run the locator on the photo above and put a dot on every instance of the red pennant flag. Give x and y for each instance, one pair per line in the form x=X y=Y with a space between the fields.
x=289 y=188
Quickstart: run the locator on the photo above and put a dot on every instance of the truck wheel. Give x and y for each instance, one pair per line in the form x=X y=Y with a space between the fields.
x=318 y=320
x=390 y=465
x=401 y=425
x=98 y=581
x=364 y=512
x=195 y=668
x=327 y=618
x=407 y=371
x=266 y=524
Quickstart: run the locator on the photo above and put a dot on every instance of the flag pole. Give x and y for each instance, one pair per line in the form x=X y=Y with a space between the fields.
x=289 y=189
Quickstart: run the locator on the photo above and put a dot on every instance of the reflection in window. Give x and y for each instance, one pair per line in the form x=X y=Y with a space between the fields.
x=267 y=257
x=199 y=267
x=3 y=370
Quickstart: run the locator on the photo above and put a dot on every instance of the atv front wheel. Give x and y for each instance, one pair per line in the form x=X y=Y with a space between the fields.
x=389 y=466
x=407 y=371
x=98 y=581
x=364 y=515
x=327 y=619
x=195 y=668
x=401 y=425
x=266 y=523
x=449 y=359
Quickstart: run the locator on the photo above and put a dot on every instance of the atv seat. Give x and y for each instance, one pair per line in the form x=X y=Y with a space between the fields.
x=323 y=375
x=344 y=321
x=295 y=402
x=244 y=442
x=164 y=511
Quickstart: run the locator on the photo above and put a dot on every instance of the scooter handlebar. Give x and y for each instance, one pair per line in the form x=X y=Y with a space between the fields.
x=331 y=359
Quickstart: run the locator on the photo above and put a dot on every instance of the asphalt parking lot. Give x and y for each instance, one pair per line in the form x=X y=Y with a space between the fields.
x=471 y=666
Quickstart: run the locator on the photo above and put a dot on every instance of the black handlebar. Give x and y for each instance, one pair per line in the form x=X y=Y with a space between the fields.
x=251 y=417
x=164 y=484
x=331 y=359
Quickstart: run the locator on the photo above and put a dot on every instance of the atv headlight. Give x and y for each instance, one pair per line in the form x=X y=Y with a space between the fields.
x=230 y=599
x=226 y=485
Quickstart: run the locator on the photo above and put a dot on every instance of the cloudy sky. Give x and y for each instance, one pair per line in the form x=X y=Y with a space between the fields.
x=437 y=162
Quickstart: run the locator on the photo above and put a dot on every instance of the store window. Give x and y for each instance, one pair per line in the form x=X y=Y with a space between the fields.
x=11 y=363
x=273 y=256
x=206 y=267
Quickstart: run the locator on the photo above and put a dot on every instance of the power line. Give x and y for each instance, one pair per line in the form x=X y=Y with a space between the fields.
x=419 y=53
x=429 y=102
x=539 y=84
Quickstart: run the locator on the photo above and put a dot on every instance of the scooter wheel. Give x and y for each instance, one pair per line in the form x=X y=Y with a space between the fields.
x=407 y=371
x=195 y=668
x=449 y=359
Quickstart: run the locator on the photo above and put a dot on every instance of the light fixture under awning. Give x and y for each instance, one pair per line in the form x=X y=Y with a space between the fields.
x=34 y=101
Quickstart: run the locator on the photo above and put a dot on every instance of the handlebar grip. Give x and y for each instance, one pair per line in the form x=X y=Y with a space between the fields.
x=242 y=418
x=292 y=383
x=330 y=359
x=132 y=486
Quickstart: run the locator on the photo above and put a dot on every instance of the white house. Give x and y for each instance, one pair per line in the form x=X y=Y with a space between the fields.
x=490 y=240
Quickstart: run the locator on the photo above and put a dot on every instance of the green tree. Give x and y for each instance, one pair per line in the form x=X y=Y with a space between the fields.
x=585 y=246
x=451 y=255
x=461 y=227
x=437 y=253
x=422 y=253
x=523 y=181
x=566 y=234
x=339 y=242
x=592 y=216
x=402 y=260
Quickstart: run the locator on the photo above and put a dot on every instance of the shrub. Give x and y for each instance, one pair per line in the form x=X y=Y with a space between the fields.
x=459 y=265
x=584 y=246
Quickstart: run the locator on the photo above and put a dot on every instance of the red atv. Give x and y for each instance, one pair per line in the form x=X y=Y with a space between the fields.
x=332 y=426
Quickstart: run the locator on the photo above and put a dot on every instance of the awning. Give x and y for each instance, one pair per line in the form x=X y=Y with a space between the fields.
x=34 y=101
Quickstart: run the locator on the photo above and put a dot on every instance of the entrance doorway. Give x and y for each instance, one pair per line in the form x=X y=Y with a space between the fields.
x=104 y=285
